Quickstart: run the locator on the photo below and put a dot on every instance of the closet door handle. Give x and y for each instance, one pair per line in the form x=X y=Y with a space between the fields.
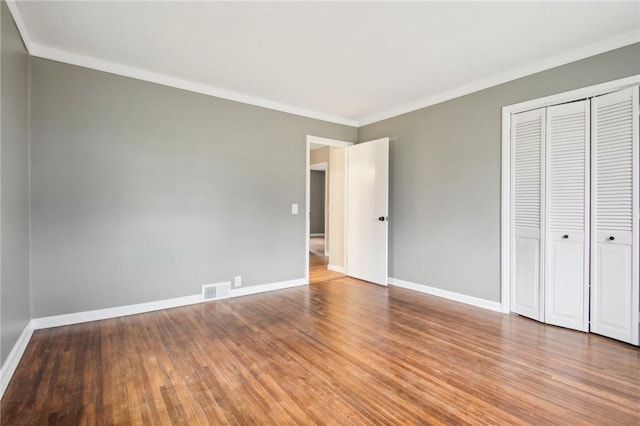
x=565 y=236
x=611 y=238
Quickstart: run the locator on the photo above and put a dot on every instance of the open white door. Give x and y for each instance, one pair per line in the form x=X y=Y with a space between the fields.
x=368 y=210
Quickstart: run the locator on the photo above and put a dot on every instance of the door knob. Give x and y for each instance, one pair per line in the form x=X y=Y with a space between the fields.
x=611 y=238
x=565 y=236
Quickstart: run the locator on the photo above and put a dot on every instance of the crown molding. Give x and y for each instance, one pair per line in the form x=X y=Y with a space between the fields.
x=556 y=61
x=191 y=86
x=44 y=52
x=166 y=80
x=22 y=29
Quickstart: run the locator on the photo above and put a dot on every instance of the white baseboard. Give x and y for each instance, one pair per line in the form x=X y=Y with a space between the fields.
x=119 y=311
x=10 y=365
x=140 y=308
x=336 y=268
x=317 y=235
x=245 y=291
x=463 y=298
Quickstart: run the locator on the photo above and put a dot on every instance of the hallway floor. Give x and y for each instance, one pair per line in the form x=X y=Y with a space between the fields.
x=318 y=262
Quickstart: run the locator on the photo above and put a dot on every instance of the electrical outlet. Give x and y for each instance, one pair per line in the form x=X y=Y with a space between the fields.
x=237 y=281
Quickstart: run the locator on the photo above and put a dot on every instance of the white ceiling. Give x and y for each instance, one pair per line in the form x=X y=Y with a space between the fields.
x=346 y=62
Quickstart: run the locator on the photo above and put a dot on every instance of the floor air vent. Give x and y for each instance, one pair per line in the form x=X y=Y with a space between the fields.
x=216 y=291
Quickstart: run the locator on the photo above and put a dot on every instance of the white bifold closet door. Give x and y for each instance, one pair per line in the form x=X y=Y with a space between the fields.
x=526 y=194
x=566 y=293
x=614 y=253
x=574 y=215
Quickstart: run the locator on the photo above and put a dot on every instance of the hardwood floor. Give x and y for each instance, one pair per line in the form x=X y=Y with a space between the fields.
x=318 y=262
x=337 y=352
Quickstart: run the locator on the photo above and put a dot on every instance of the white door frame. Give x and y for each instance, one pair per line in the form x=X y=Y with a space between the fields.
x=320 y=141
x=507 y=111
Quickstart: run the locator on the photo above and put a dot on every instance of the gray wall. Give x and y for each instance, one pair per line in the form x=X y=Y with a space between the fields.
x=445 y=176
x=316 y=202
x=142 y=192
x=14 y=190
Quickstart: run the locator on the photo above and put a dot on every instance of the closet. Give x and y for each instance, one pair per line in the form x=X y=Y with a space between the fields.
x=574 y=214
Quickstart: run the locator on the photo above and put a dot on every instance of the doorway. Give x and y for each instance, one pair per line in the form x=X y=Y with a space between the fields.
x=358 y=216
x=319 y=199
x=319 y=215
x=326 y=221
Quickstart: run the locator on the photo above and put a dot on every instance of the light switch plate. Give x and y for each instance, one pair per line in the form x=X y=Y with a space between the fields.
x=294 y=209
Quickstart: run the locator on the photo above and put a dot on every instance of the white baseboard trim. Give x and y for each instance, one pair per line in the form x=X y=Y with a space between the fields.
x=457 y=297
x=335 y=268
x=10 y=365
x=119 y=311
x=245 y=291
x=317 y=235
x=140 y=308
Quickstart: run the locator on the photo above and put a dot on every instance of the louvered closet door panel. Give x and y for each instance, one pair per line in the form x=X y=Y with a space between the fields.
x=527 y=142
x=567 y=167
x=614 y=162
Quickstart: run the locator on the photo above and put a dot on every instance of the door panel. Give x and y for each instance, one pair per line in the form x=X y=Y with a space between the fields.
x=565 y=291
x=612 y=310
x=526 y=274
x=526 y=194
x=614 y=162
x=368 y=210
x=567 y=173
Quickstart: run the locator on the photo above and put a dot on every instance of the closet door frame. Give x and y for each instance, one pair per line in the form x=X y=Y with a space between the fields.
x=507 y=112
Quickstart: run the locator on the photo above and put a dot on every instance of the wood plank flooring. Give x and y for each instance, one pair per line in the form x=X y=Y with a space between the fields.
x=318 y=262
x=338 y=352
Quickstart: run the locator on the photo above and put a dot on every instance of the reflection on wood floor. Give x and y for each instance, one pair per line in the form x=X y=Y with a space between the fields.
x=318 y=262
